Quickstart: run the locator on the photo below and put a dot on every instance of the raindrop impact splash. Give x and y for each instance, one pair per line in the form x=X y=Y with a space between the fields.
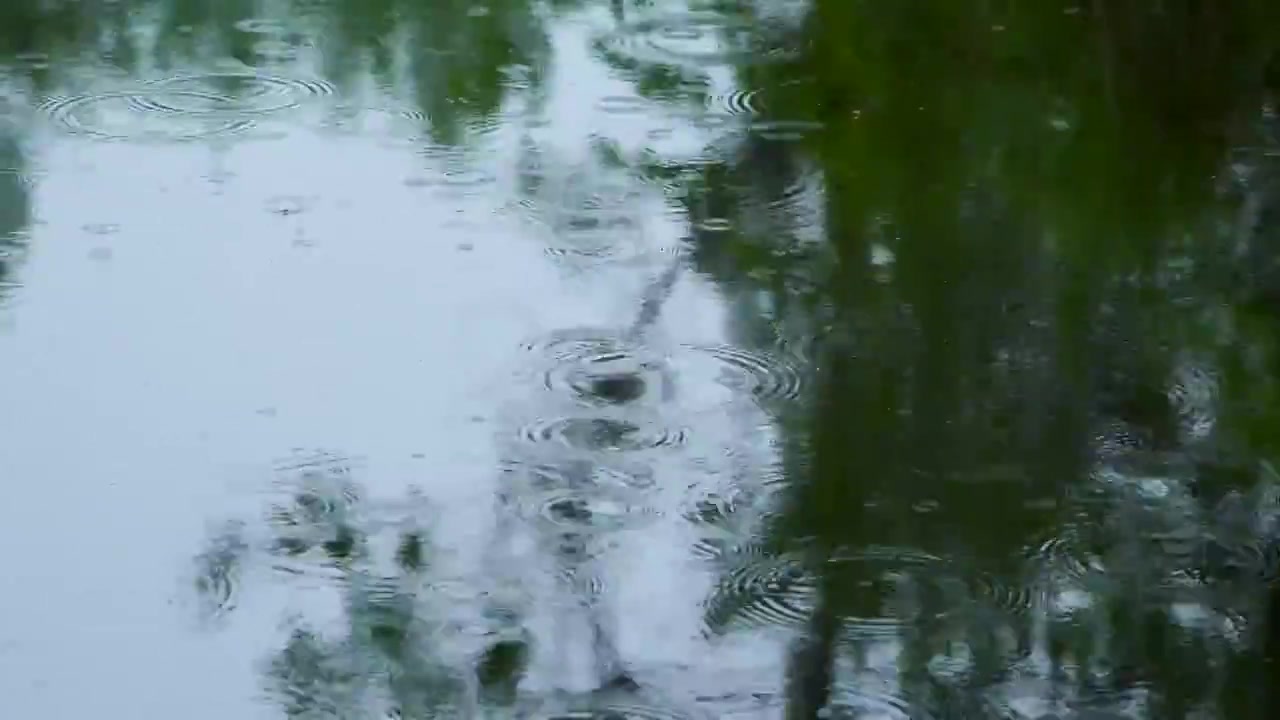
x=598 y=368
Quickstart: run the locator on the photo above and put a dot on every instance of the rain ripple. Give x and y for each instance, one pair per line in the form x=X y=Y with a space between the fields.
x=182 y=108
x=121 y=116
x=252 y=92
x=602 y=433
x=586 y=497
x=767 y=377
x=598 y=368
x=766 y=590
x=600 y=225
x=218 y=571
x=592 y=509
x=737 y=102
x=698 y=39
x=634 y=711
x=596 y=708
x=315 y=526
x=856 y=704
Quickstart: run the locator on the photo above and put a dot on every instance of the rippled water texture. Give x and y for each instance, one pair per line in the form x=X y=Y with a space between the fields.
x=639 y=359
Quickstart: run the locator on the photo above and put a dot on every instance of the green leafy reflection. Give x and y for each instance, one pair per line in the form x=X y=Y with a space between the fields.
x=388 y=653
x=1046 y=291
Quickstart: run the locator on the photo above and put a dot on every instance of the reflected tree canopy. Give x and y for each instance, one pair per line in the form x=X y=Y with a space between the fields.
x=1027 y=252
x=454 y=64
x=388 y=654
x=15 y=207
x=1035 y=320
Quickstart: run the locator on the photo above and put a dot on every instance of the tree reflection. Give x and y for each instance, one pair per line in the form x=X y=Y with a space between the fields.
x=456 y=63
x=1037 y=290
x=1030 y=253
x=390 y=652
x=15 y=207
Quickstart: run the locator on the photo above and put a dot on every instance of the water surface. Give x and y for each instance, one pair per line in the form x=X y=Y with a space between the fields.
x=638 y=359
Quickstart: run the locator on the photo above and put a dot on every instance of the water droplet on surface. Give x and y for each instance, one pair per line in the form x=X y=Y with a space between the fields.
x=101 y=228
x=286 y=205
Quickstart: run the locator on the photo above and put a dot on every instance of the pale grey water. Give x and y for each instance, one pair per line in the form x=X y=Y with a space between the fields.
x=861 y=362
x=191 y=314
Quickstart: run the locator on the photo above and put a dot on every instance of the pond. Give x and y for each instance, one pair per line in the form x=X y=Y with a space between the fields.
x=639 y=359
